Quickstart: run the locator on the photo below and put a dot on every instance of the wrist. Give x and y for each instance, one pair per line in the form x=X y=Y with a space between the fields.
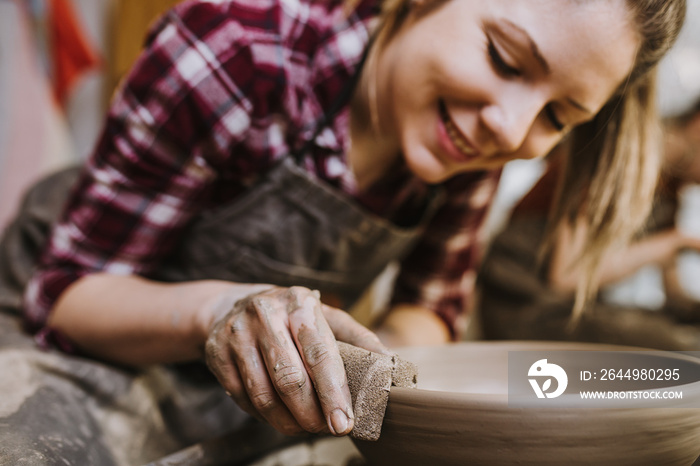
x=219 y=299
x=210 y=302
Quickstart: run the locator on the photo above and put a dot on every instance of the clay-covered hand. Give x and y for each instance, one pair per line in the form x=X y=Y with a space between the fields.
x=275 y=353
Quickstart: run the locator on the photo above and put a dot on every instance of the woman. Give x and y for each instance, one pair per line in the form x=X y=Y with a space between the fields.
x=193 y=233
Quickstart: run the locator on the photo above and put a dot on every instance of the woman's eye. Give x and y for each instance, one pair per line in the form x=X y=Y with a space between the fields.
x=501 y=66
x=553 y=119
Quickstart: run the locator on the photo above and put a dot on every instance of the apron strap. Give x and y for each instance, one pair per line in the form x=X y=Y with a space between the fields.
x=340 y=101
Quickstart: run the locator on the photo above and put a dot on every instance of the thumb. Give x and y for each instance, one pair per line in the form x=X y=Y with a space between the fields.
x=347 y=329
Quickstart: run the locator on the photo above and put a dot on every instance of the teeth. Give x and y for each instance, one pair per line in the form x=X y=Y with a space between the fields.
x=456 y=138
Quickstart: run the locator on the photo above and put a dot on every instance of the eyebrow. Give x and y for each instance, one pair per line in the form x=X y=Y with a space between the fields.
x=542 y=61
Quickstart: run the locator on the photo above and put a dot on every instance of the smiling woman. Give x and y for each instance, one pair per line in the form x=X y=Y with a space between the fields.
x=263 y=160
x=527 y=74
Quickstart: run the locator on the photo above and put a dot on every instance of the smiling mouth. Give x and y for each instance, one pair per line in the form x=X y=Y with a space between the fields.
x=454 y=133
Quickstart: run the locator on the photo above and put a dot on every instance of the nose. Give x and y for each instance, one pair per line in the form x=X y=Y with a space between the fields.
x=509 y=121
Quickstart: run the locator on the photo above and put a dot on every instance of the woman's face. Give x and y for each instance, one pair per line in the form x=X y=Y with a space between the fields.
x=473 y=84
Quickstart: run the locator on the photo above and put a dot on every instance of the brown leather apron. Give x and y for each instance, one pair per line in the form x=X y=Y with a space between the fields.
x=289 y=229
x=293 y=230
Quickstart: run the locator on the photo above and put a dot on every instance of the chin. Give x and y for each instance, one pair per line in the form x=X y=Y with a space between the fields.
x=427 y=167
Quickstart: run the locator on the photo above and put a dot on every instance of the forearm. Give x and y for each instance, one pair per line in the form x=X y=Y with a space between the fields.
x=652 y=250
x=564 y=272
x=134 y=321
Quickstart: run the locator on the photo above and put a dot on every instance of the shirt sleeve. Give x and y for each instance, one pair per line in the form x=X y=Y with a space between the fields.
x=173 y=121
x=440 y=272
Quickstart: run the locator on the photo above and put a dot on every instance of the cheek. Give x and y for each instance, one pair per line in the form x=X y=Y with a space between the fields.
x=537 y=145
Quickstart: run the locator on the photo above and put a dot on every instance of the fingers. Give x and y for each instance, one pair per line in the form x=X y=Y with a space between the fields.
x=263 y=395
x=219 y=361
x=321 y=357
x=282 y=365
x=276 y=354
x=234 y=358
x=347 y=329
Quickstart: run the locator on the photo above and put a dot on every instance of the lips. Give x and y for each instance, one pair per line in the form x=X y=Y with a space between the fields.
x=459 y=141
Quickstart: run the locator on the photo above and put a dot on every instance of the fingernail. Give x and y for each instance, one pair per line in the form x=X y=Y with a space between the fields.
x=339 y=422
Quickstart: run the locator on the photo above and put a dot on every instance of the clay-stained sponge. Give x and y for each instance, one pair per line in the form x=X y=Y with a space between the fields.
x=370 y=377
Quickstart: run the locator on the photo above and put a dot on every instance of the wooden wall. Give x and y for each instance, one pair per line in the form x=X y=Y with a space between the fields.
x=131 y=20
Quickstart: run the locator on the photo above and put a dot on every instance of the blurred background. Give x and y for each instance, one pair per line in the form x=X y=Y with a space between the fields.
x=60 y=61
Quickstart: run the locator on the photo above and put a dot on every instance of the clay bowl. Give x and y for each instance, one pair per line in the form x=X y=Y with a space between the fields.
x=461 y=414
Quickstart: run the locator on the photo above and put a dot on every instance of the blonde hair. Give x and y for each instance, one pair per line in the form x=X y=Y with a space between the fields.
x=614 y=159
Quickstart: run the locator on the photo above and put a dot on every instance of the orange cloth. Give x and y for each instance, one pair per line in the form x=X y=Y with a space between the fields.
x=72 y=53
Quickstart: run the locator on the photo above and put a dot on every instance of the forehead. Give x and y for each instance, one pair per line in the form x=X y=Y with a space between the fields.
x=590 y=45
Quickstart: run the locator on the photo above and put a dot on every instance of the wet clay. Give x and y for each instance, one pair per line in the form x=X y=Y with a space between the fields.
x=459 y=415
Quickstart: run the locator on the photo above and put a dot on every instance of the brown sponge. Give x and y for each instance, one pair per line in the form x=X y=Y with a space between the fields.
x=370 y=377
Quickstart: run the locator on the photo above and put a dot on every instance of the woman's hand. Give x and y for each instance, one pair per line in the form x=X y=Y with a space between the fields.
x=411 y=325
x=275 y=353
